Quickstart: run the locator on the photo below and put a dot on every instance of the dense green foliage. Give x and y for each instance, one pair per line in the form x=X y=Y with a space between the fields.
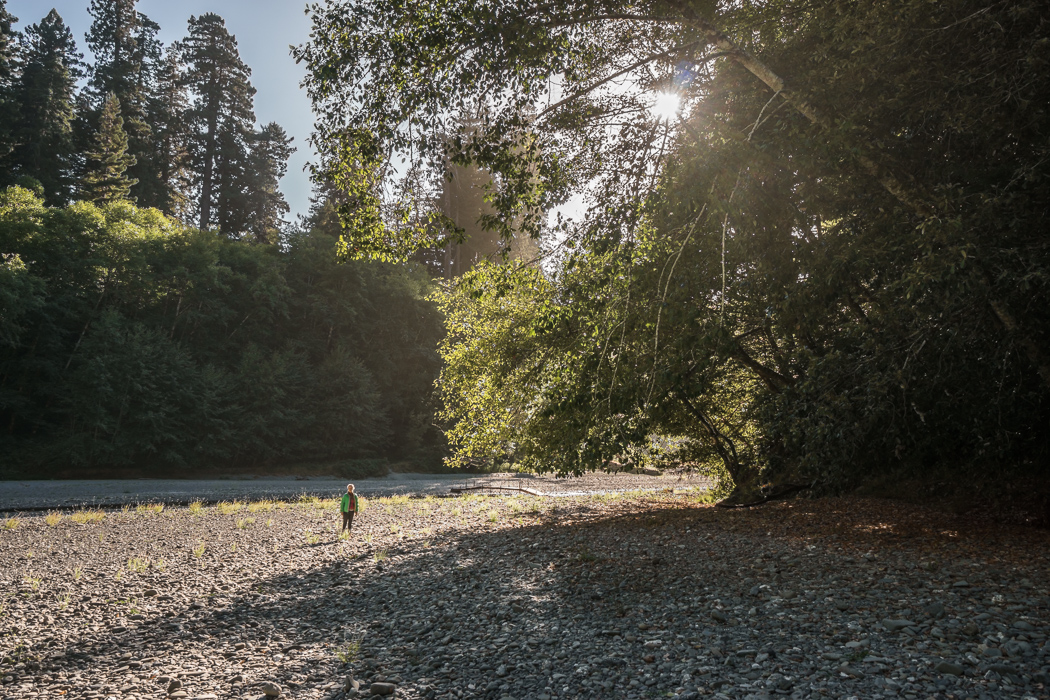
x=129 y=339
x=832 y=264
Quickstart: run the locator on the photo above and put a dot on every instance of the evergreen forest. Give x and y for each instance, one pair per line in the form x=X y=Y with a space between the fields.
x=158 y=313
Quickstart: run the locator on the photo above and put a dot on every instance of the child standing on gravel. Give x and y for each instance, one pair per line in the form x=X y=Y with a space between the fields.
x=348 y=506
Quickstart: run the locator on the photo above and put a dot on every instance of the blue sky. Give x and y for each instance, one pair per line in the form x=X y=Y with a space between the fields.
x=264 y=30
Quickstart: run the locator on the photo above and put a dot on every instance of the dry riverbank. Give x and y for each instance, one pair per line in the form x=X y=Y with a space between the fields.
x=617 y=596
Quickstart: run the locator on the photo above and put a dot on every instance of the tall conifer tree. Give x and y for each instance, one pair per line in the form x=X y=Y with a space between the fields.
x=166 y=114
x=45 y=94
x=221 y=117
x=105 y=178
x=8 y=80
x=267 y=164
x=127 y=56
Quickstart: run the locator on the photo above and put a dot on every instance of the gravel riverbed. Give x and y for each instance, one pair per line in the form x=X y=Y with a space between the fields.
x=632 y=595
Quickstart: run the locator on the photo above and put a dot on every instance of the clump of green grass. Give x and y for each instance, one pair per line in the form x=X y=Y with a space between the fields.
x=256 y=506
x=198 y=551
x=83 y=517
x=227 y=508
x=312 y=538
x=380 y=555
x=53 y=518
x=77 y=573
x=344 y=536
x=138 y=565
x=493 y=516
x=33 y=582
x=245 y=523
x=196 y=508
x=348 y=652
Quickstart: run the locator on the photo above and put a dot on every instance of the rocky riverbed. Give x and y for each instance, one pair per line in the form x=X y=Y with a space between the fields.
x=632 y=595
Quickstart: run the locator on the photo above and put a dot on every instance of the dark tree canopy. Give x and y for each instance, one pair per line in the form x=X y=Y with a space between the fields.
x=805 y=265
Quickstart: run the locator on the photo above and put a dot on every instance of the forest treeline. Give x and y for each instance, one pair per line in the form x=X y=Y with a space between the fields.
x=170 y=127
x=130 y=340
x=157 y=313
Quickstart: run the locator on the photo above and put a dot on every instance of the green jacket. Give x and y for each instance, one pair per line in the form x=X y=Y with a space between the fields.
x=344 y=506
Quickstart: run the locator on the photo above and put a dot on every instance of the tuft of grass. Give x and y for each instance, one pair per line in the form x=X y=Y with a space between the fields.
x=348 y=652
x=77 y=573
x=33 y=582
x=196 y=508
x=311 y=537
x=138 y=565
x=380 y=555
x=227 y=508
x=493 y=516
x=344 y=536
x=368 y=538
x=198 y=551
x=64 y=601
x=150 y=508
x=256 y=506
x=269 y=522
x=12 y=523
x=245 y=523
x=53 y=518
x=83 y=517
x=160 y=565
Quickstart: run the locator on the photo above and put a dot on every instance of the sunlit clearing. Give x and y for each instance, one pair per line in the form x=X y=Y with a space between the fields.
x=667 y=106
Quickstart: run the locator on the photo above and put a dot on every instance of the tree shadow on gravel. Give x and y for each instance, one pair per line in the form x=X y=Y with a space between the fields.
x=595 y=605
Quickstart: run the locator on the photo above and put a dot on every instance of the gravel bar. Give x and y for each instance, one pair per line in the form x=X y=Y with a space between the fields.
x=526 y=598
